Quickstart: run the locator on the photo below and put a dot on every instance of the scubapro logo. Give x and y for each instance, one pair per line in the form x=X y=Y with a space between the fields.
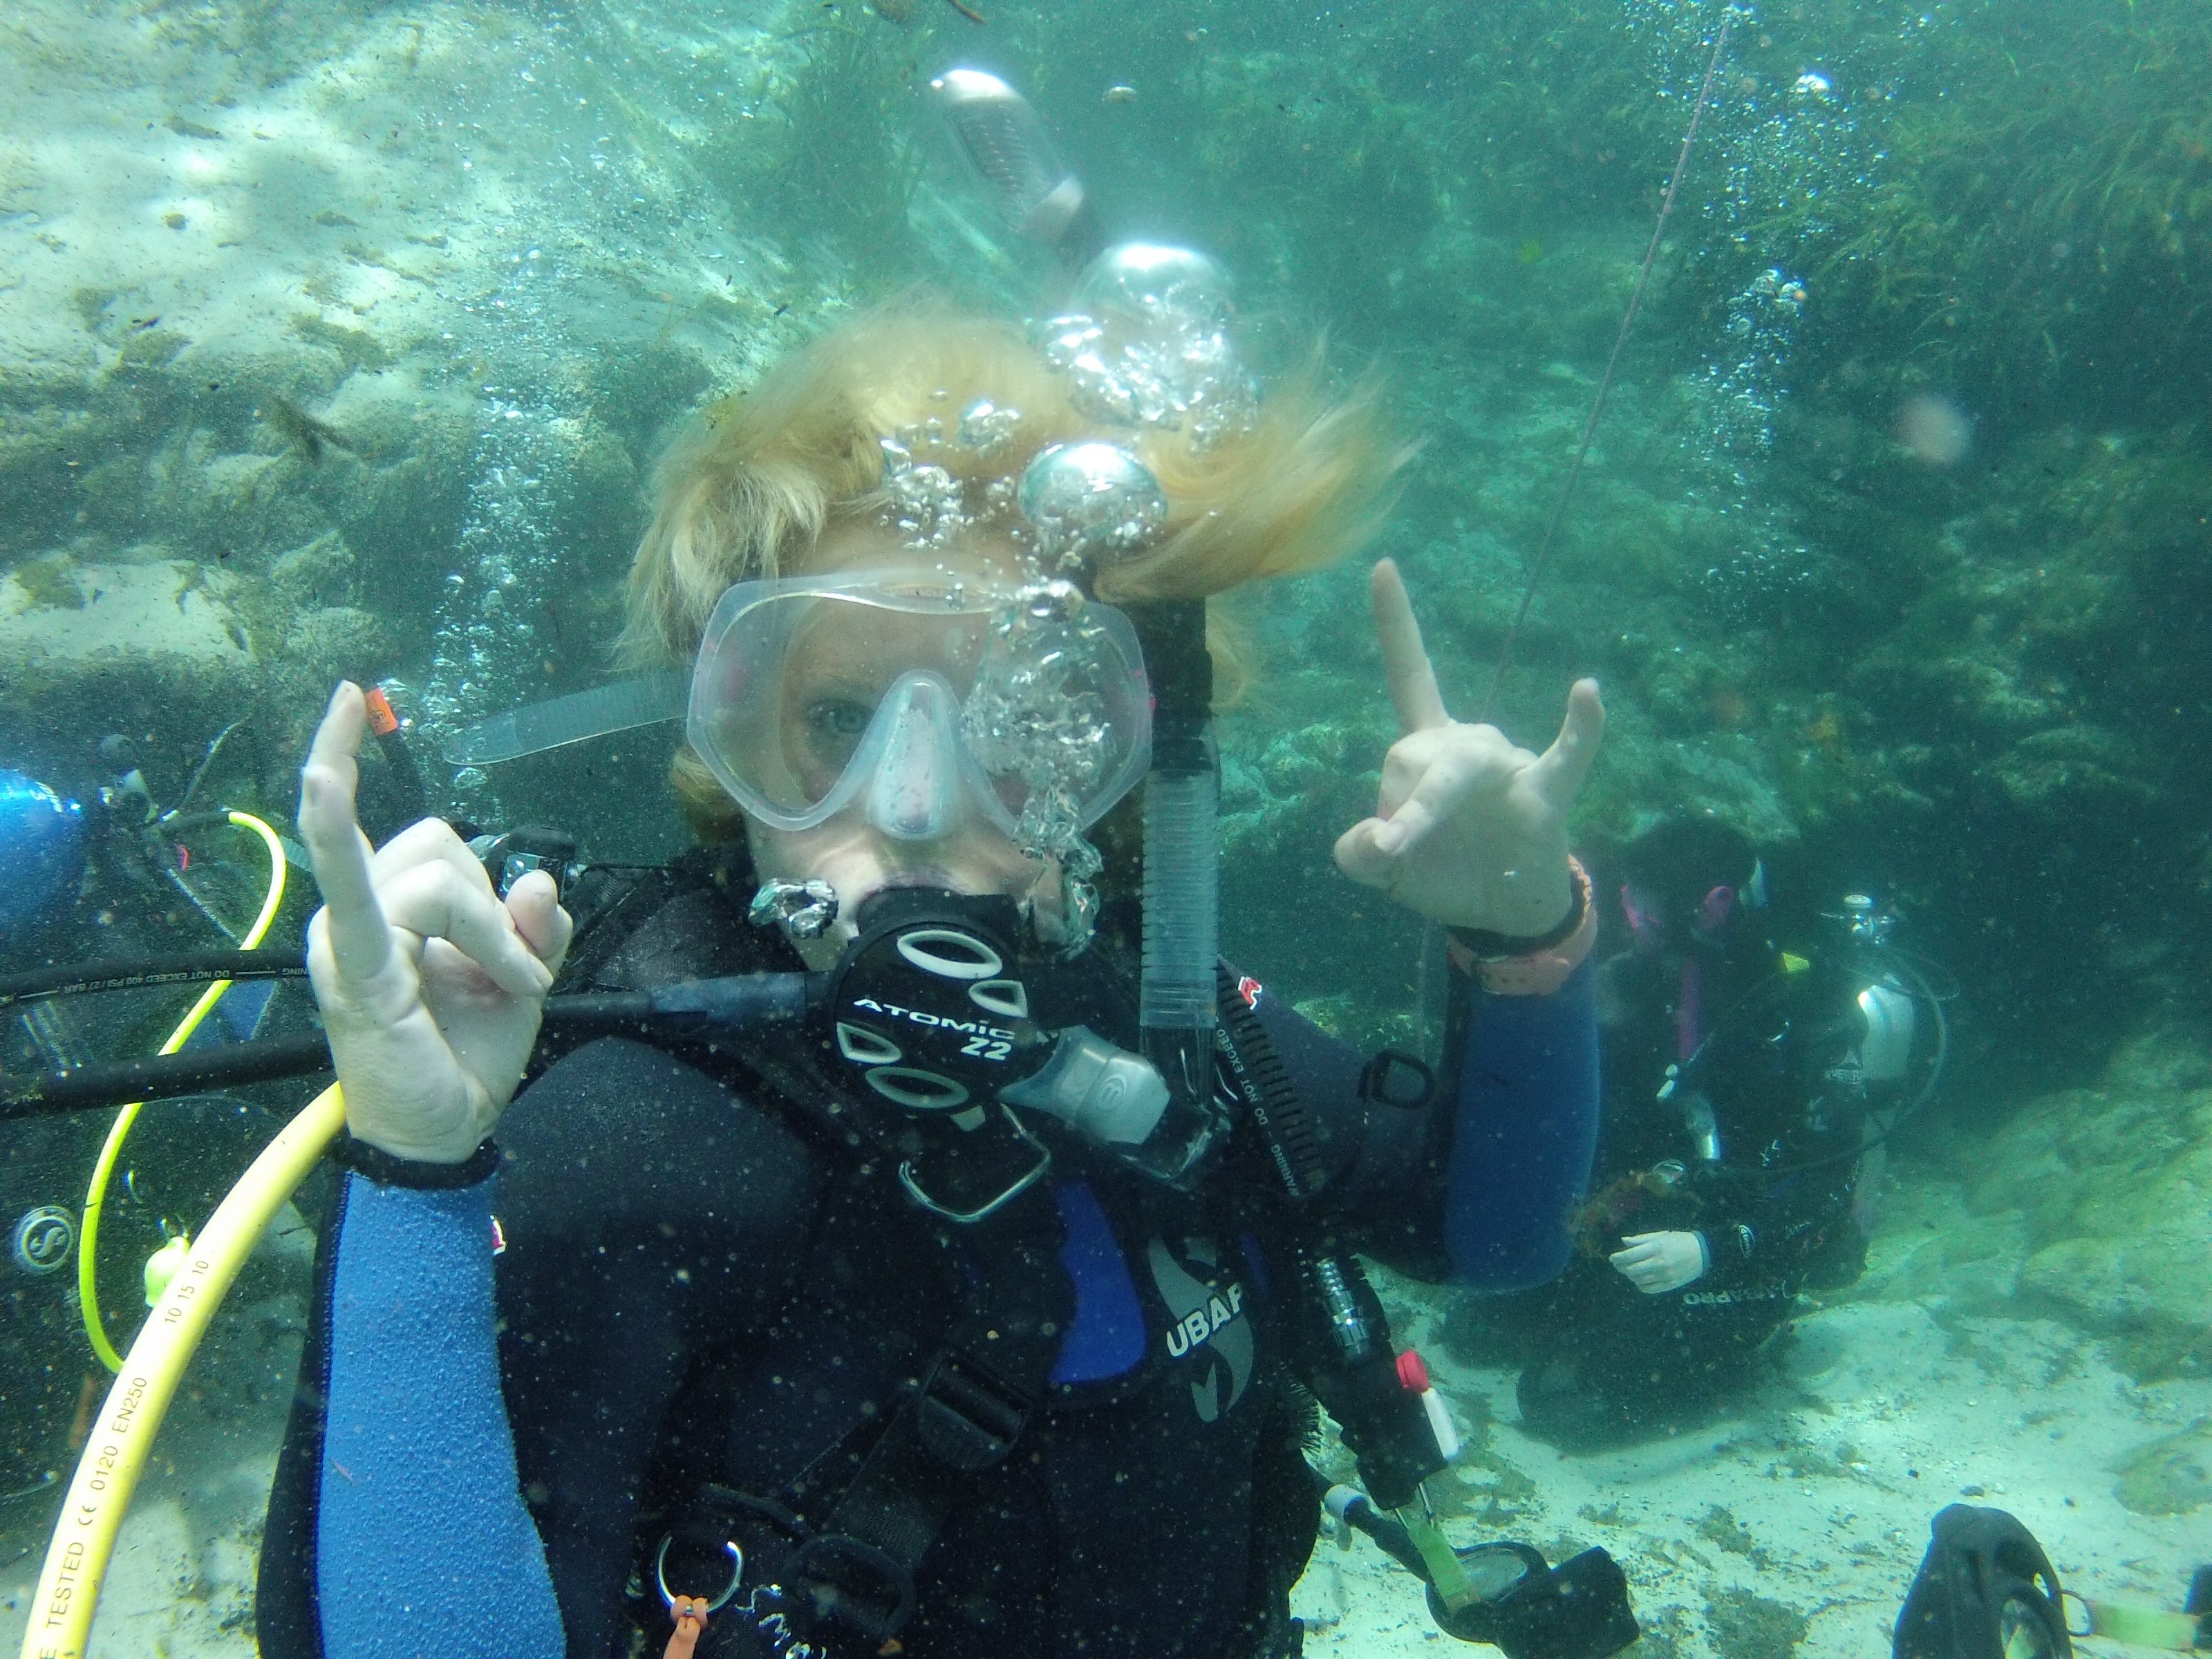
x=44 y=1238
x=1200 y=1323
x=1210 y=1329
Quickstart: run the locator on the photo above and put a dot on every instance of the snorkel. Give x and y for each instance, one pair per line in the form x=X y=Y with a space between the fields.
x=1089 y=504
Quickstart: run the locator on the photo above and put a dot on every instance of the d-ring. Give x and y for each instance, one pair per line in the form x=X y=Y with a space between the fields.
x=714 y=1604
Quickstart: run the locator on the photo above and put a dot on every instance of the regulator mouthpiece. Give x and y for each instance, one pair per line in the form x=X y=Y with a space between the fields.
x=1090 y=504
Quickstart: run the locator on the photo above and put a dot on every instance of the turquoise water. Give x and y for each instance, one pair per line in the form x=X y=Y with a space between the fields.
x=320 y=326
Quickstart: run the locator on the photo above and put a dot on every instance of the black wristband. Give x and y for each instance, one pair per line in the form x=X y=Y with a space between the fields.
x=385 y=1170
x=1487 y=946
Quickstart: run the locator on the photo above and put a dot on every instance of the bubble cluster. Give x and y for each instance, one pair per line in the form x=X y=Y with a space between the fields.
x=987 y=428
x=486 y=655
x=1038 y=713
x=1146 y=342
x=1747 y=369
x=1089 y=505
x=928 y=505
x=1791 y=154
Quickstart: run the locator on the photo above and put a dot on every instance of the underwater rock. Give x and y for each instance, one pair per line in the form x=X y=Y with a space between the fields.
x=56 y=611
x=2113 y=1183
x=2074 y=769
x=2170 y=1476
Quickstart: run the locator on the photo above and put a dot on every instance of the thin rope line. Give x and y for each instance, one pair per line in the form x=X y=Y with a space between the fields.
x=1605 y=386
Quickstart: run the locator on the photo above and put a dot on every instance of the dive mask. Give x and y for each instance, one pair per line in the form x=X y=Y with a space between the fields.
x=915 y=695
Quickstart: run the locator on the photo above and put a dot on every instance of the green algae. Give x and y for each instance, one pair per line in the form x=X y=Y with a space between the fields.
x=50 y=584
x=2171 y=1476
x=1748 y=1626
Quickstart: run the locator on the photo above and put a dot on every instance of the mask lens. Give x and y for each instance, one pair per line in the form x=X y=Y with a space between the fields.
x=841 y=659
x=792 y=703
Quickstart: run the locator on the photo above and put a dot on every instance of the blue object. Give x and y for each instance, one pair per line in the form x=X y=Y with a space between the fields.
x=1107 y=1337
x=1526 y=1137
x=41 y=847
x=423 y=1546
x=239 y=1016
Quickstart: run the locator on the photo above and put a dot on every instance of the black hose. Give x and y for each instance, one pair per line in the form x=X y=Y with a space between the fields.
x=161 y=1077
x=1390 y=1536
x=189 y=968
x=691 y=1008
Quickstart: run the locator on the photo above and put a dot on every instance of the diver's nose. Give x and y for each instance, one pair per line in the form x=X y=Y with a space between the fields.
x=915 y=794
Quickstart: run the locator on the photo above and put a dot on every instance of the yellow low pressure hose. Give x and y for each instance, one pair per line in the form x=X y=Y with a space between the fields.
x=123 y=1434
x=95 y=1197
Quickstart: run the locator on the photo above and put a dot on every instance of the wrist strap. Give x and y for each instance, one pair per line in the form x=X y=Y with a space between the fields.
x=1508 y=967
x=386 y=1170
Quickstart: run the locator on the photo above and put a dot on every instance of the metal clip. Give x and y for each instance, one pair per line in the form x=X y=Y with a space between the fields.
x=804 y=910
x=969 y=1218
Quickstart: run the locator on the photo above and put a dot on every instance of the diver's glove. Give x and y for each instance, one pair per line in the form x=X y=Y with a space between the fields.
x=1657 y=1262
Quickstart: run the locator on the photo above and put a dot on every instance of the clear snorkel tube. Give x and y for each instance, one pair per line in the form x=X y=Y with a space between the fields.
x=1089 y=505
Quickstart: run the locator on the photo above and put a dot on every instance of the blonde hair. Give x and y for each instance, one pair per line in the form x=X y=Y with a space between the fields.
x=758 y=479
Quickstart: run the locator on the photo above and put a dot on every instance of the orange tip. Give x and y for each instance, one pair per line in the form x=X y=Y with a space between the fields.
x=381 y=720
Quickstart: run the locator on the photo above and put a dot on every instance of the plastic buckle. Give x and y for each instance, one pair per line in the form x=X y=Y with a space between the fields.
x=967 y=1417
x=1397 y=1079
x=876 y=1601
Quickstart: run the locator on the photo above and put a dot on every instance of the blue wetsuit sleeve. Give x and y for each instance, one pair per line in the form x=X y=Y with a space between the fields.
x=422 y=1545
x=1523 y=1098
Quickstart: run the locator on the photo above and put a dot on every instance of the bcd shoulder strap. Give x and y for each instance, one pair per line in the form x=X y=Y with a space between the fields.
x=978 y=1394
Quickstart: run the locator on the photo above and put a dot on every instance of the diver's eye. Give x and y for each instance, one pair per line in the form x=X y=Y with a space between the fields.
x=834 y=722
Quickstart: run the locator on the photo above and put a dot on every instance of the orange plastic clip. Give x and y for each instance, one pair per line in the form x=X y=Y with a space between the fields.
x=690 y=1613
x=381 y=720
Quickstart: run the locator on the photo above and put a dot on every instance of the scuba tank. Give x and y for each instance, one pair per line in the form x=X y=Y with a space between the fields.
x=42 y=848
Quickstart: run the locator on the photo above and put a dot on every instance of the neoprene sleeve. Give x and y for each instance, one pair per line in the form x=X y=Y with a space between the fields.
x=1524 y=1136
x=423 y=1543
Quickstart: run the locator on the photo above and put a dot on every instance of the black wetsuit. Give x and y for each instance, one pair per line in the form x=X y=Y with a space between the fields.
x=1782 y=1076
x=694 y=1292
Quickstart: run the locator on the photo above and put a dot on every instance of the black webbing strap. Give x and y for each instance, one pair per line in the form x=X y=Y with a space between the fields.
x=976 y=1399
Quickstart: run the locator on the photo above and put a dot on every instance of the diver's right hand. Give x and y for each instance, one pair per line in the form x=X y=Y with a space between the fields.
x=431 y=988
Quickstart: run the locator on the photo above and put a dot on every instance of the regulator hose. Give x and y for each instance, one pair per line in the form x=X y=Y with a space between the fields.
x=95 y=1197
x=122 y=1434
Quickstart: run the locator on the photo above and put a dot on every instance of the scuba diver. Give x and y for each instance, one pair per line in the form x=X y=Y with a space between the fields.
x=974 y=1298
x=119 y=874
x=1741 y=1085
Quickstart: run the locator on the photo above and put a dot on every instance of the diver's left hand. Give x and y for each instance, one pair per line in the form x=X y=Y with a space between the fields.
x=1658 y=1263
x=1470 y=830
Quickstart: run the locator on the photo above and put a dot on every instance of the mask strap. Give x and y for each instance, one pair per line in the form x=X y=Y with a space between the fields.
x=1713 y=913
